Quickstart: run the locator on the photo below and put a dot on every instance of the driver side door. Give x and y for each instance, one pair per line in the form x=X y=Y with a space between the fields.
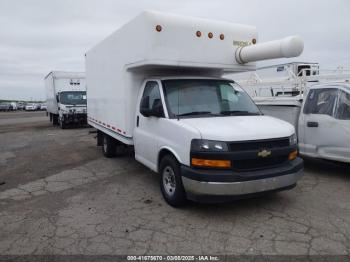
x=147 y=127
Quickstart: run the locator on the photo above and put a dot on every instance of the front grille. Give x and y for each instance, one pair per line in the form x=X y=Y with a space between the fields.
x=259 y=144
x=259 y=163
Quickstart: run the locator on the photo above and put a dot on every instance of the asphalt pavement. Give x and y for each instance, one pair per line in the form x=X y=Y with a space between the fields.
x=59 y=195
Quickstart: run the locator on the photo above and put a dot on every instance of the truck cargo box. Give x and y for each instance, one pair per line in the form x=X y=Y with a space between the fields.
x=156 y=43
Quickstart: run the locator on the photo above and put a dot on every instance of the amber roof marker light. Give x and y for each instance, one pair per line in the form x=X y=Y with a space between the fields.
x=254 y=41
x=210 y=35
x=198 y=34
x=158 y=28
x=222 y=36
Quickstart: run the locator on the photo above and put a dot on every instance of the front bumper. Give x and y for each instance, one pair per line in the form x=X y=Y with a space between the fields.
x=209 y=185
x=76 y=118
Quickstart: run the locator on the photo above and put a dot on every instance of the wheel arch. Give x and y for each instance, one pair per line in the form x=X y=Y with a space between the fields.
x=166 y=151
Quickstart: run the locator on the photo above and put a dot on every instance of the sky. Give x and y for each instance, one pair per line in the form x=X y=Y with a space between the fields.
x=38 y=36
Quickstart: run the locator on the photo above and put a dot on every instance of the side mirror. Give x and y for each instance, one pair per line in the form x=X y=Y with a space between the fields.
x=144 y=107
x=157 y=108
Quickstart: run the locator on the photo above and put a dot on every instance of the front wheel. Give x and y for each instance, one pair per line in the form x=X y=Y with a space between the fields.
x=54 y=119
x=109 y=146
x=63 y=125
x=171 y=182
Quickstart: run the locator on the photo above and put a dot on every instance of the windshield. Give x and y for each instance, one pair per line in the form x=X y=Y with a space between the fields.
x=73 y=98
x=206 y=97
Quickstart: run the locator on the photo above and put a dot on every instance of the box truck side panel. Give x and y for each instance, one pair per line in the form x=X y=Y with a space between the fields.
x=51 y=95
x=111 y=109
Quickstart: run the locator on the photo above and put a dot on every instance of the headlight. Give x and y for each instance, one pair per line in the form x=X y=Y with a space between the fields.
x=293 y=140
x=208 y=145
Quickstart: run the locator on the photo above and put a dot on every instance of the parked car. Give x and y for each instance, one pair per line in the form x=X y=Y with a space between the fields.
x=31 y=107
x=13 y=106
x=20 y=106
x=5 y=106
x=43 y=107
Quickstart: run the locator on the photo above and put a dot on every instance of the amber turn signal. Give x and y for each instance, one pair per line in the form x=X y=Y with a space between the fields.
x=293 y=155
x=210 y=163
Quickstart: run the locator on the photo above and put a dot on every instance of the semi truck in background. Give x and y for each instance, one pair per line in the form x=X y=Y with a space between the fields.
x=157 y=84
x=66 y=98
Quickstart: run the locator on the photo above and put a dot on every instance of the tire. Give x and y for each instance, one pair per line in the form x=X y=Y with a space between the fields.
x=171 y=182
x=109 y=146
x=54 y=119
x=63 y=125
x=50 y=117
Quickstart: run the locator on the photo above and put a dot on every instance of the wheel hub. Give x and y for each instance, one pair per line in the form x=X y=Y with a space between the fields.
x=169 y=183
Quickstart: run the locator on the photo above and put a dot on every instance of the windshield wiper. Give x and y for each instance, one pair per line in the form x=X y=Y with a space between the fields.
x=239 y=113
x=197 y=113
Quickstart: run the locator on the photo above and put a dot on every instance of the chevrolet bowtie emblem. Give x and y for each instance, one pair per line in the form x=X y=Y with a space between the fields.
x=264 y=153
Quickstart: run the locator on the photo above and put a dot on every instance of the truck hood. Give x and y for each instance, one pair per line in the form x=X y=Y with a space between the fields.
x=240 y=128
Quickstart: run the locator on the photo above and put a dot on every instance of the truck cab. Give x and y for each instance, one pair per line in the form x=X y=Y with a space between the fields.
x=71 y=107
x=324 y=122
x=200 y=135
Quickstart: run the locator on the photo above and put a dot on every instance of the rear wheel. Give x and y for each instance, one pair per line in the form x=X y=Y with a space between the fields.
x=109 y=146
x=171 y=182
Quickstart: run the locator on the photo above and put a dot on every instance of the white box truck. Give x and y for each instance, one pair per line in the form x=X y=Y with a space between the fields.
x=66 y=98
x=156 y=84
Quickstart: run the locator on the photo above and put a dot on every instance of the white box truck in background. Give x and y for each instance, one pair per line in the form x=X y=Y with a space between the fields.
x=66 y=98
x=156 y=84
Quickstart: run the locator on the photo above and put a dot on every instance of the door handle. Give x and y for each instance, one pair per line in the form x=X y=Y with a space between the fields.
x=312 y=124
x=137 y=121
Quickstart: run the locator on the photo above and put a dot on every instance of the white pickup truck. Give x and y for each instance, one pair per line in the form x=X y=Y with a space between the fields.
x=156 y=84
x=321 y=116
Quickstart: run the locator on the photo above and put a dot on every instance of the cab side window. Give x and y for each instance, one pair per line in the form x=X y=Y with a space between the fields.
x=343 y=108
x=151 y=96
x=321 y=101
